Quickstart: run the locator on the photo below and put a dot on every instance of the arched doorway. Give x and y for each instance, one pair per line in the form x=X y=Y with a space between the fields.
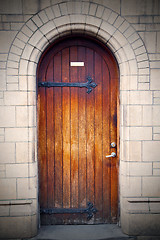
x=78 y=92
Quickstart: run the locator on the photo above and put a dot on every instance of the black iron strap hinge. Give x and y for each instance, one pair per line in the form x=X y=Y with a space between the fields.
x=90 y=210
x=89 y=84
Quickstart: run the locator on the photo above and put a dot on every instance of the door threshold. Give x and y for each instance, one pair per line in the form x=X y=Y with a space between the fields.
x=81 y=232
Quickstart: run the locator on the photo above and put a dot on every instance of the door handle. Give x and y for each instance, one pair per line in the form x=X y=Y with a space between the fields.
x=113 y=154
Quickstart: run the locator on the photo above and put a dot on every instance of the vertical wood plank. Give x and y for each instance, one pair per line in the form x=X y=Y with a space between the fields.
x=82 y=130
x=58 y=133
x=106 y=144
x=74 y=130
x=90 y=129
x=114 y=163
x=50 y=136
x=98 y=139
x=66 y=129
x=42 y=148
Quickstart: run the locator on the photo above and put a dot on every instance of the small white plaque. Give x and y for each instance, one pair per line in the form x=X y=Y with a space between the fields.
x=77 y=64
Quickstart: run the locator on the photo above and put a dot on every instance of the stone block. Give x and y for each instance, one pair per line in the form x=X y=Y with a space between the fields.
x=144 y=78
x=16 y=170
x=143 y=86
x=141 y=225
x=11 y=7
x=147 y=115
x=129 y=152
x=128 y=83
x=63 y=8
x=90 y=20
x=31 y=98
x=12 y=71
x=140 y=169
x=129 y=32
x=156 y=172
x=32 y=67
x=27 y=52
x=23 y=68
x=140 y=133
x=3 y=80
x=16 y=26
x=32 y=152
x=140 y=97
x=158 y=41
x=15 y=98
x=156 y=164
x=23 y=83
x=155 y=64
x=26 y=188
x=18 y=227
x=130 y=186
x=43 y=16
x=134 y=114
x=30 y=6
x=151 y=186
x=16 y=50
x=7 y=151
x=13 y=57
x=16 y=134
x=20 y=210
x=37 y=21
x=85 y=7
x=156 y=136
x=7 y=189
x=12 y=86
x=155 y=83
x=56 y=10
x=22 y=37
x=113 y=16
x=92 y=9
x=22 y=116
x=31 y=25
x=150 y=37
x=108 y=27
x=19 y=43
x=7 y=118
x=156 y=115
x=4 y=211
x=22 y=152
x=115 y=5
x=47 y=27
x=12 y=64
x=151 y=151
x=32 y=116
x=99 y=11
x=33 y=169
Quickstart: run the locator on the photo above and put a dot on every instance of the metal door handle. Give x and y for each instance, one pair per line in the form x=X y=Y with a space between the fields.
x=113 y=154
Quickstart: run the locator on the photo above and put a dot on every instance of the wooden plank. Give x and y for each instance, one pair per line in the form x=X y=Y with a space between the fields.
x=90 y=129
x=82 y=131
x=66 y=129
x=42 y=147
x=114 y=163
x=74 y=130
x=50 y=136
x=58 y=133
x=106 y=145
x=98 y=139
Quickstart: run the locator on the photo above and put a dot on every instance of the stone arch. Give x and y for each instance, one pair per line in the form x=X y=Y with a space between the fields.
x=67 y=18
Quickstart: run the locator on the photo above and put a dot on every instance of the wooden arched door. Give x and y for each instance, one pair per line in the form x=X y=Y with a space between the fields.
x=76 y=125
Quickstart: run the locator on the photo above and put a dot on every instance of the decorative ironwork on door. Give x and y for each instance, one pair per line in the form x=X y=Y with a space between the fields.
x=89 y=84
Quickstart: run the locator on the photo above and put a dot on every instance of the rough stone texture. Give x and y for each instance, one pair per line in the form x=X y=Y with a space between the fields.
x=132 y=31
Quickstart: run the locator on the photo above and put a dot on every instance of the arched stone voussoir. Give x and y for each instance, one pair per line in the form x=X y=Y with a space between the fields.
x=109 y=27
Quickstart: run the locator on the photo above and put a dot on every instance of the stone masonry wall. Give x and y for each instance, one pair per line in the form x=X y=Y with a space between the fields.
x=131 y=28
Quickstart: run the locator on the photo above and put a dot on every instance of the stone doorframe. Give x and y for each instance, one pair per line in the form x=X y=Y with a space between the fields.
x=107 y=26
